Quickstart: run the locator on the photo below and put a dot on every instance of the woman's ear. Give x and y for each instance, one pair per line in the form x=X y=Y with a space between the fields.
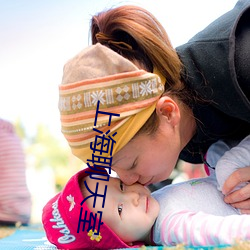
x=168 y=110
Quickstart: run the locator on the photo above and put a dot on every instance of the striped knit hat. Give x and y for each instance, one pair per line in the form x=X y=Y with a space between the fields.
x=99 y=78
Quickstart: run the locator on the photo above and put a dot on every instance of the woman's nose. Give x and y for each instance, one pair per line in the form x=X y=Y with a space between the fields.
x=126 y=177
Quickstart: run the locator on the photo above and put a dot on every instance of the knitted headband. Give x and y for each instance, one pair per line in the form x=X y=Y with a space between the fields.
x=99 y=74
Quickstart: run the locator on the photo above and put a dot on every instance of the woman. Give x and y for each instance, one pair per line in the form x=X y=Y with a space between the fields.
x=206 y=95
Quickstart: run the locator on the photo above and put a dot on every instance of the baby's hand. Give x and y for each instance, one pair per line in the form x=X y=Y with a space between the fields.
x=240 y=198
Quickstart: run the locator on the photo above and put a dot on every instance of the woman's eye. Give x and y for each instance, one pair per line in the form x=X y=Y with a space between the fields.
x=120 y=206
x=121 y=186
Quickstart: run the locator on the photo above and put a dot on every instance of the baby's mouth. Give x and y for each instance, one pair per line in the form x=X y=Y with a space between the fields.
x=147 y=203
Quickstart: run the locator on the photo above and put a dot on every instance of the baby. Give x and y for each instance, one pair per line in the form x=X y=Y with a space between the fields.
x=62 y=213
x=192 y=212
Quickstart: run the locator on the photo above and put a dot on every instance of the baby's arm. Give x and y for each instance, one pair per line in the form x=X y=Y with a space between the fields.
x=201 y=229
x=237 y=157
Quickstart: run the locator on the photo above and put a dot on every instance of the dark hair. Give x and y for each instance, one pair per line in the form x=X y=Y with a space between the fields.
x=136 y=34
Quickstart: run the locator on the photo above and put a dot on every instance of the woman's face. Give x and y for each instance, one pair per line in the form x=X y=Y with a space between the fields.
x=148 y=159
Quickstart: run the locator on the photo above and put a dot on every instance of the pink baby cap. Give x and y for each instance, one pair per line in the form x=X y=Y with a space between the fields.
x=61 y=216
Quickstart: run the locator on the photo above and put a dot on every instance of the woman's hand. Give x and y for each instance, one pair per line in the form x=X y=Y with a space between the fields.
x=240 y=198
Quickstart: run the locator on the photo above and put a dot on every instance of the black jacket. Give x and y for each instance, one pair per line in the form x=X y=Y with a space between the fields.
x=217 y=66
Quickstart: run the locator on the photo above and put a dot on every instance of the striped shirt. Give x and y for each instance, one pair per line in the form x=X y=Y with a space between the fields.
x=194 y=212
x=15 y=200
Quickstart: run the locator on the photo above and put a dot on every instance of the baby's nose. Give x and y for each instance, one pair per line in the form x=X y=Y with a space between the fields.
x=126 y=177
x=133 y=197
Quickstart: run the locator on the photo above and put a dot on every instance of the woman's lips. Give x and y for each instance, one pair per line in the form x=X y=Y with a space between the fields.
x=148 y=183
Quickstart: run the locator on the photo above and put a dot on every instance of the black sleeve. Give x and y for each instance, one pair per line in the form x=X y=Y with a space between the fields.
x=242 y=53
x=217 y=66
x=216 y=58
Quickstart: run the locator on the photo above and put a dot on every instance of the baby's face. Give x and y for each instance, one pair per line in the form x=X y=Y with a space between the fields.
x=130 y=211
